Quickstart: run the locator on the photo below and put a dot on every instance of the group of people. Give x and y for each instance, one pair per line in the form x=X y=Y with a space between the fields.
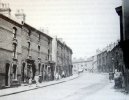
x=117 y=76
x=58 y=76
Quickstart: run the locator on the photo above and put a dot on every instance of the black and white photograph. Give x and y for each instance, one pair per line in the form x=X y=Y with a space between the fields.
x=64 y=49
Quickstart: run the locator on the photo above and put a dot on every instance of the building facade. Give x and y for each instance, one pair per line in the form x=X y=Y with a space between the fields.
x=89 y=64
x=102 y=61
x=62 y=56
x=25 y=52
x=123 y=12
x=36 y=54
x=10 y=52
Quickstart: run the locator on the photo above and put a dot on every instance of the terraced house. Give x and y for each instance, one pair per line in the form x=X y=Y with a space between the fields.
x=25 y=52
x=62 y=56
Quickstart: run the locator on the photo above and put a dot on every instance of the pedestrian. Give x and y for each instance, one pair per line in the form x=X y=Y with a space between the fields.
x=30 y=82
x=37 y=80
x=118 y=79
x=56 y=76
x=110 y=76
x=63 y=74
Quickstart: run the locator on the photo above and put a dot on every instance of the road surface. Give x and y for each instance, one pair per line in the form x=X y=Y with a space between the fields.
x=88 y=86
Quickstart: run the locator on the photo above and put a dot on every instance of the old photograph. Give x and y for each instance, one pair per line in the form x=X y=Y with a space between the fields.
x=64 y=49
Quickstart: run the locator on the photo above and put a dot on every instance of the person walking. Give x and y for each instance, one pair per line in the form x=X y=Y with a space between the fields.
x=37 y=80
x=118 y=79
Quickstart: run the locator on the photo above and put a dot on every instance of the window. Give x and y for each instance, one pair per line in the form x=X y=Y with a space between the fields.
x=48 y=53
x=42 y=67
x=45 y=67
x=39 y=36
x=14 y=32
x=28 y=48
x=38 y=50
x=48 y=42
x=29 y=33
x=39 y=65
x=14 y=50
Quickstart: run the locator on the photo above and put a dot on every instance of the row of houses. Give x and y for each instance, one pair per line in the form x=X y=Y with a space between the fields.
x=105 y=58
x=118 y=57
x=109 y=60
x=26 y=52
x=88 y=64
x=103 y=61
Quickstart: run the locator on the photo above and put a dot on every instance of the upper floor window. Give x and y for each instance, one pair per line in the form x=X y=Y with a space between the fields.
x=39 y=37
x=38 y=48
x=14 y=50
x=39 y=65
x=28 y=48
x=48 y=54
x=48 y=42
x=28 y=45
x=14 y=32
x=29 y=33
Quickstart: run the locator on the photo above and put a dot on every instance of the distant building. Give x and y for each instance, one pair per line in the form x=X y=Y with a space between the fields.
x=89 y=64
x=79 y=65
x=102 y=61
x=104 y=58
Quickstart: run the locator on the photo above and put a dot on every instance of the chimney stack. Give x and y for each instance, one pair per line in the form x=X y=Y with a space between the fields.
x=20 y=15
x=5 y=9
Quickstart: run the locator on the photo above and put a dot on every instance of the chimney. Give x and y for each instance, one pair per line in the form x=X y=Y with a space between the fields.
x=20 y=15
x=5 y=9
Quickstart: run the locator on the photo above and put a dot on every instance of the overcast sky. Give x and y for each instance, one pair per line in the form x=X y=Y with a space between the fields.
x=85 y=25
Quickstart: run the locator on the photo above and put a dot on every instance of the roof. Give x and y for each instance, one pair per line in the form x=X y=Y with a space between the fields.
x=32 y=28
x=10 y=20
x=17 y=23
x=63 y=44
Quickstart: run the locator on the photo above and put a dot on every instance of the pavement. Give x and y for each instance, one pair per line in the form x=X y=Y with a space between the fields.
x=16 y=90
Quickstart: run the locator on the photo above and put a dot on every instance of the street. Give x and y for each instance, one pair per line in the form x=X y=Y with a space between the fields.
x=88 y=86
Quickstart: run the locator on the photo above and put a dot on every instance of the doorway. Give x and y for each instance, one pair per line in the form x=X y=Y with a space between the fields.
x=7 y=74
x=23 y=72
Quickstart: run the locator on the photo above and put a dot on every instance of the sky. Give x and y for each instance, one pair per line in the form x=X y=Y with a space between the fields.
x=84 y=25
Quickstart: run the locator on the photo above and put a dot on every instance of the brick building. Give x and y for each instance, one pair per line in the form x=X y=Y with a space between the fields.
x=24 y=51
x=102 y=61
x=10 y=51
x=62 y=56
x=123 y=12
x=89 y=64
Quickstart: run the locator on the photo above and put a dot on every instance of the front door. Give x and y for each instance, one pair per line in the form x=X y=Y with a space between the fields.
x=7 y=74
x=23 y=72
